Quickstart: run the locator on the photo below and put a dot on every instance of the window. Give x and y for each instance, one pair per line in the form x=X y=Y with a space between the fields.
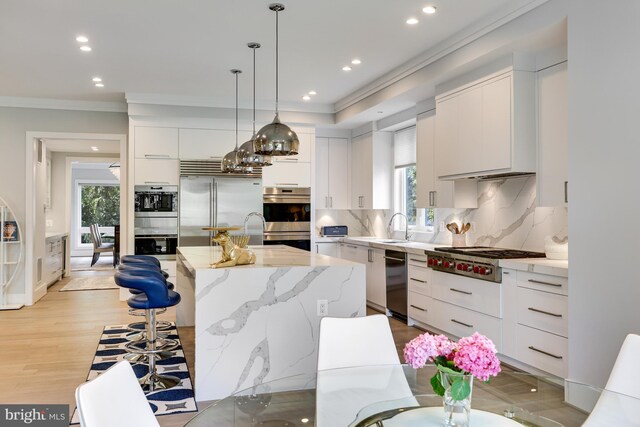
x=405 y=182
x=99 y=204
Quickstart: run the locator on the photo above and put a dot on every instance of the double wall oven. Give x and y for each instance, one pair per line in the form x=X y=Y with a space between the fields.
x=287 y=213
x=156 y=220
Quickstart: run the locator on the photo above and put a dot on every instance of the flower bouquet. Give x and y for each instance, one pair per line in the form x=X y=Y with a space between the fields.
x=457 y=364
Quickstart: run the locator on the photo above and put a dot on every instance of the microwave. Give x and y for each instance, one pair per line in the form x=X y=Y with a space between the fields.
x=152 y=200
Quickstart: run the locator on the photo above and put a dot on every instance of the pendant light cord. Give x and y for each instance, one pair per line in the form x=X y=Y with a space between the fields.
x=254 y=92
x=237 y=111
x=277 y=12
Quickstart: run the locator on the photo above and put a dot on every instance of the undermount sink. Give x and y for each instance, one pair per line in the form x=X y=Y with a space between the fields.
x=392 y=241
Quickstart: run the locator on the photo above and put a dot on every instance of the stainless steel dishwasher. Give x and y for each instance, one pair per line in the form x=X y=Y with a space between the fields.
x=396 y=272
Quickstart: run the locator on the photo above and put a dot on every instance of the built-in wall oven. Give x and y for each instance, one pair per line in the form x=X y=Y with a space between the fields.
x=287 y=213
x=156 y=220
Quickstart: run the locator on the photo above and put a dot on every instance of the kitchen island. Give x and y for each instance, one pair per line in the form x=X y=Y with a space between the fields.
x=259 y=322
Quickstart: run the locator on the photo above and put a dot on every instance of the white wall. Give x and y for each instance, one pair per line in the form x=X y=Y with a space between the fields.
x=14 y=124
x=604 y=172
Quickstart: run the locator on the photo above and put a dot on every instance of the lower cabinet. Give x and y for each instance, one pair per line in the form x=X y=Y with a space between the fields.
x=328 y=248
x=376 y=278
x=55 y=259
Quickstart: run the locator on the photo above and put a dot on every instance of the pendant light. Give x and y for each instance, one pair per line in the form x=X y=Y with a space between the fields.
x=231 y=161
x=247 y=155
x=276 y=139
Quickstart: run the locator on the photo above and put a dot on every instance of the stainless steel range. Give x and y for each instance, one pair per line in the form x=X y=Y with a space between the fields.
x=478 y=262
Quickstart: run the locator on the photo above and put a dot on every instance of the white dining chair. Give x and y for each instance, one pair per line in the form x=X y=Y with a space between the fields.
x=356 y=341
x=623 y=404
x=365 y=343
x=114 y=399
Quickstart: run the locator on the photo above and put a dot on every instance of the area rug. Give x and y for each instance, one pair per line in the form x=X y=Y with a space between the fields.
x=89 y=283
x=175 y=400
x=105 y=263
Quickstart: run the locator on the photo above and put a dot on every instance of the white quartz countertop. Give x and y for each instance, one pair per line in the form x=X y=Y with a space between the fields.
x=417 y=248
x=55 y=234
x=554 y=267
x=201 y=257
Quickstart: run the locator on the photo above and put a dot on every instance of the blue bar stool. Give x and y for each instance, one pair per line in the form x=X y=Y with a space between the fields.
x=140 y=259
x=155 y=295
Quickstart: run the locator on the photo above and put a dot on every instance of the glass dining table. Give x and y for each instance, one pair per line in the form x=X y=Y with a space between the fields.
x=399 y=396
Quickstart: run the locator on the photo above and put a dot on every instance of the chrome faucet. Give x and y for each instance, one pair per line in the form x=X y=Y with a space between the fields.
x=406 y=226
x=246 y=221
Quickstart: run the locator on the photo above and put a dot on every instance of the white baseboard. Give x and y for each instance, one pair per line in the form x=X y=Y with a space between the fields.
x=39 y=292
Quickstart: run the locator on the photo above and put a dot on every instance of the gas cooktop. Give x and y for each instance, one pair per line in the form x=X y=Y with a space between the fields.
x=492 y=253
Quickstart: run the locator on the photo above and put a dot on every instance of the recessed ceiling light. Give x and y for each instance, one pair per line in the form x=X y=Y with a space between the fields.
x=429 y=10
x=356 y=62
x=346 y=68
x=82 y=39
x=95 y=149
x=96 y=79
x=99 y=85
x=412 y=21
x=306 y=97
x=305 y=420
x=313 y=92
x=85 y=48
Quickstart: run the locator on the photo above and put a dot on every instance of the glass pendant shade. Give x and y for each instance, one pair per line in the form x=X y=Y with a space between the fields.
x=250 y=158
x=276 y=139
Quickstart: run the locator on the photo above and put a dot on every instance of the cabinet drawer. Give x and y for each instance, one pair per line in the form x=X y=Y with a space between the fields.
x=419 y=307
x=543 y=310
x=478 y=295
x=462 y=322
x=169 y=267
x=417 y=260
x=542 y=350
x=419 y=280
x=153 y=172
x=543 y=282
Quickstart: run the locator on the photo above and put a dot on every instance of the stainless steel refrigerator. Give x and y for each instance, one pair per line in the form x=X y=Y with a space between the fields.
x=211 y=201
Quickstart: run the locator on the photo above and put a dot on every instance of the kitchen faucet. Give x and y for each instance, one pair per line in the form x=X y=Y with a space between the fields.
x=246 y=221
x=406 y=226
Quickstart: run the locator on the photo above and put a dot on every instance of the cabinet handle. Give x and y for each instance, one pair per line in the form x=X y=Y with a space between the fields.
x=291 y=184
x=430 y=198
x=544 y=312
x=317 y=249
x=157 y=156
x=351 y=246
x=545 y=353
x=370 y=255
x=326 y=201
x=393 y=258
x=540 y=282
x=330 y=202
x=566 y=192
x=462 y=323
x=418 y=260
x=287 y=160
x=417 y=308
x=418 y=280
x=157 y=182
x=505 y=272
x=461 y=292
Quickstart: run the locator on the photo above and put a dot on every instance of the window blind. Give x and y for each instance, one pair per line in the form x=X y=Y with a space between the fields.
x=404 y=147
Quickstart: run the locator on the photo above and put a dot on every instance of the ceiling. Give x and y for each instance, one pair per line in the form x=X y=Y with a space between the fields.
x=185 y=48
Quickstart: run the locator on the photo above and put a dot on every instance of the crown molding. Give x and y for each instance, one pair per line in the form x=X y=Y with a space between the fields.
x=434 y=54
x=62 y=104
x=208 y=102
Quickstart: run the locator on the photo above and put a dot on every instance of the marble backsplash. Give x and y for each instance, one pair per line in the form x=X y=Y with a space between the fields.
x=506 y=217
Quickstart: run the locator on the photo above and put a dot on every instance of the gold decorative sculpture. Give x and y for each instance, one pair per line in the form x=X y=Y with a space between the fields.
x=232 y=254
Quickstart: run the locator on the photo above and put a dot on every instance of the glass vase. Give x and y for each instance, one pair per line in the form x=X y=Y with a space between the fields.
x=457 y=410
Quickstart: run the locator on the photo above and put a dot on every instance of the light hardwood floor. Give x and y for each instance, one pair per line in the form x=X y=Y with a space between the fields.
x=46 y=350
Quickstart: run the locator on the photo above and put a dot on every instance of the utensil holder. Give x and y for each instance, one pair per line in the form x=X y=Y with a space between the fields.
x=458 y=240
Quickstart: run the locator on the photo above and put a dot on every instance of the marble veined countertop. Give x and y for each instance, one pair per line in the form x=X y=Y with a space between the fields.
x=554 y=267
x=201 y=257
x=55 y=234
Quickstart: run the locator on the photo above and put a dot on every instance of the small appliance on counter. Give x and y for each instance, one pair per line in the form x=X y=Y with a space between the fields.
x=334 y=231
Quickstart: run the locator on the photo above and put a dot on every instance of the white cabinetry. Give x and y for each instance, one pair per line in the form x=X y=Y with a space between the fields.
x=332 y=173
x=291 y=171
x=156 y=153
x=418 y=290
x=328 y=248
x=487 y=127
x=376 y=278
x=304 y=150
x=553 y=144
x=432 y=192
x=204 y=144
x=371 y=171
x=54 y=259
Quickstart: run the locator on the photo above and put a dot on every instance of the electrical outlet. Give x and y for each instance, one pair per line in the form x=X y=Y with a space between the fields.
x=441 y=226
x=323 y=308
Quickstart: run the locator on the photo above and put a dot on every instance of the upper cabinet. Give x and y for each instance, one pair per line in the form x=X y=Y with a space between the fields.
x=304 y=150
x=291 y=171
x=553 y=144
x=156 y=142
x=205 y=144
x=432 y=192
x=332 y=173
x=487 y=127
x=371 y=170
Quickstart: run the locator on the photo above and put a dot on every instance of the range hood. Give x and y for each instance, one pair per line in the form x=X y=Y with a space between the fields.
x=500 y=176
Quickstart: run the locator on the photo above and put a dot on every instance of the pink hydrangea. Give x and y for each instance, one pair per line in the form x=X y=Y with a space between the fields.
x=476 y=354
x=425 y=348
